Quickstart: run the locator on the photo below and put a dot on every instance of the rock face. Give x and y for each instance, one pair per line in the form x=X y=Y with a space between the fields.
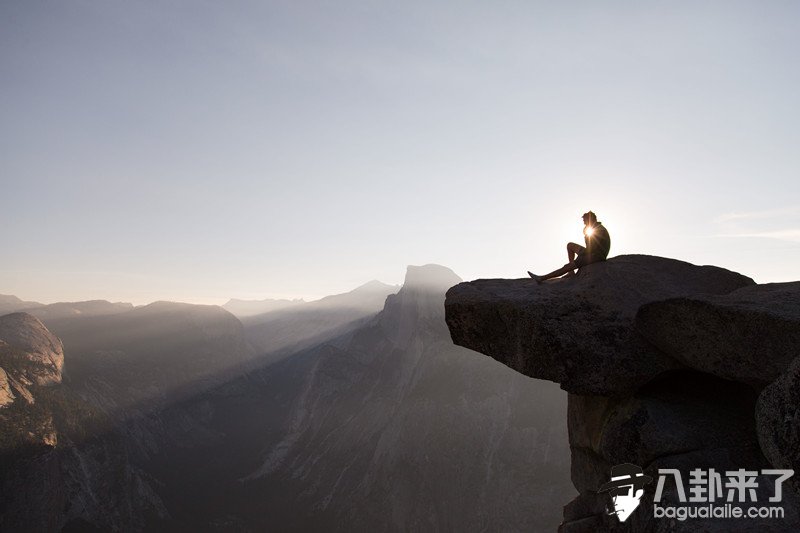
x=665 y=362
x=6 y=396
x=40 y=354
x=581 y=329
x=31 y=359
x=749 y=335
x=778 y=418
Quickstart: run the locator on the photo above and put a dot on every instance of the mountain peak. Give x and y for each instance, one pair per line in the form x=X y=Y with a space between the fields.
x=11 y=304
x=420 y=299
x=430 y=277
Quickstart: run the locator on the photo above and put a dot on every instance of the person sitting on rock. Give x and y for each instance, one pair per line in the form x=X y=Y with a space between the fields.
x=598 y=243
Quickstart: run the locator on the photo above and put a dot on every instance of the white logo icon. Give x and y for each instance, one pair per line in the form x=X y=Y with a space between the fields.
x=626 y=489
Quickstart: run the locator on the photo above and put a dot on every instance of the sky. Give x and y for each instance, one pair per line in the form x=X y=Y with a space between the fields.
x=200 y=151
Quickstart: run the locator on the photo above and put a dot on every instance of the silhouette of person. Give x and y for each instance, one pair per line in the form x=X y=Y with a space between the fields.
x=626 y=489
x=598 y=243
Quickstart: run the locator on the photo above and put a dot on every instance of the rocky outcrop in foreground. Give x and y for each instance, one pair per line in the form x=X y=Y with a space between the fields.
x=579 y=332
x=666 y=363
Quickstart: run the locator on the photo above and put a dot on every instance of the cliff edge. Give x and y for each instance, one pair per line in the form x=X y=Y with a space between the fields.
x=668 y=365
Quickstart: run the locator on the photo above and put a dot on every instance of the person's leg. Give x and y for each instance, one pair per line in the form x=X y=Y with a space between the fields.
x=573 y=249
x=569 y=267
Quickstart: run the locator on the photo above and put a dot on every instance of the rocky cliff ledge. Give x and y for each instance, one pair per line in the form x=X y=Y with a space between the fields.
x=668 y=365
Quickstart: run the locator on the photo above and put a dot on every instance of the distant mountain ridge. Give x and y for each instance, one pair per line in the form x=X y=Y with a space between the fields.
x=189 y=345
x=245 y=308
x=297 y=327
x=11 y=304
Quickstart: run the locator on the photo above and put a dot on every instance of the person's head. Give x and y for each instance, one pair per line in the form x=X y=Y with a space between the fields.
x=589 y=218
x=625 y=500
x=626 y=489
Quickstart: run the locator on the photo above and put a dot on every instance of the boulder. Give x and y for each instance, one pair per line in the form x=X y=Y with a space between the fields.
x=749 y=335
x=579 y=331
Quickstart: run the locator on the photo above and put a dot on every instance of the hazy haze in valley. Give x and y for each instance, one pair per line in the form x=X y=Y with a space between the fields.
x=377 y=423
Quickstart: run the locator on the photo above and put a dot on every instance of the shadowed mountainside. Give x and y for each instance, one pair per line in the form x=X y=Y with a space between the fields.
x=62 y=463
x=150 y=353
x=388 y=428
x=385 y=427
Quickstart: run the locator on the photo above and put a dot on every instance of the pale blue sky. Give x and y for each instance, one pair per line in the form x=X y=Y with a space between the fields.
x=198 y=151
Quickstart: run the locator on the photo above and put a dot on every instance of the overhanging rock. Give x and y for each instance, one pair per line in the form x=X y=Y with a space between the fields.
x=580 y=331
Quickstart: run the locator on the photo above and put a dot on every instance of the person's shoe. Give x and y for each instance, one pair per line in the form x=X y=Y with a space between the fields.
x=534 y=276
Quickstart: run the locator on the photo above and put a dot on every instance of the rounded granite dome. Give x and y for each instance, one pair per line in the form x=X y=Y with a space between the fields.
x=26 y=333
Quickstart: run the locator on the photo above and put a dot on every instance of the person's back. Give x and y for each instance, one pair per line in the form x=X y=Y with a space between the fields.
x=598 y=243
